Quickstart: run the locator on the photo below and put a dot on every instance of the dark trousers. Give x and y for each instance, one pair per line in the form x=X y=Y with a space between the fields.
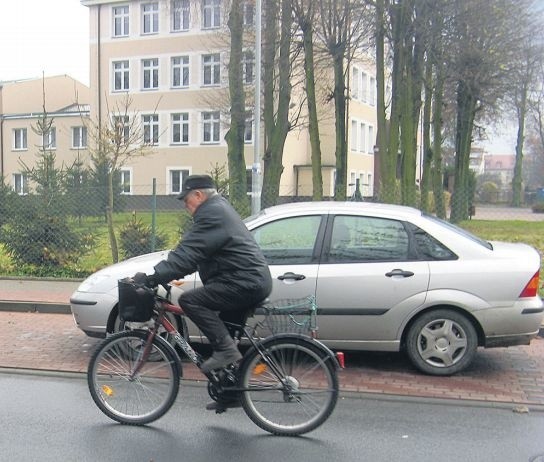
x=206 y=306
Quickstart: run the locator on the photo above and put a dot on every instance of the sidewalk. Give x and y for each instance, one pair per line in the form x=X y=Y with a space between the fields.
x=36 y=332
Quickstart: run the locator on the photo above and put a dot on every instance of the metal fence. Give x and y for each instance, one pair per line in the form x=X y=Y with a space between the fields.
x=53 y=234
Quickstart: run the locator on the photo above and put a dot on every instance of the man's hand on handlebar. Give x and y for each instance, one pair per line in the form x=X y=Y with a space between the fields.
x=144 y=279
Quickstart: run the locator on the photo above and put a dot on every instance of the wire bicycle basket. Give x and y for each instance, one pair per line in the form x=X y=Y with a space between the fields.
x=294 y=316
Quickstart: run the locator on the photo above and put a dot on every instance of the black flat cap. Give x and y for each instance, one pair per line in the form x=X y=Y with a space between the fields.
x=196 y=182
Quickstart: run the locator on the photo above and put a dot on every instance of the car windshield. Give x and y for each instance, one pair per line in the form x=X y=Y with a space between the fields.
x=461 y=231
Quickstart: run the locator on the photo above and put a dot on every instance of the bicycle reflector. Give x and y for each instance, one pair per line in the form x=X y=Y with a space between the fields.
x=108 y=391
x=259 y=368
x=531 y=289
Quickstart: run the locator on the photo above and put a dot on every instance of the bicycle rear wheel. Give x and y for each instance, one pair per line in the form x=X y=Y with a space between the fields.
x=304 y=395
x=134 y=400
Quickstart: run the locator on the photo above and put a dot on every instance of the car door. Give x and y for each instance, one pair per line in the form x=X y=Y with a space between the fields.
x=369 y=281
x=291 y=246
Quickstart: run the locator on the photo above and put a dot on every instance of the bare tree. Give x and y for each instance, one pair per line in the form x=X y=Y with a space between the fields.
x=112 y=144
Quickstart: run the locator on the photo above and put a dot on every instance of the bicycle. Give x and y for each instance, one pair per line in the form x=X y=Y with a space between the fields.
x=287 y=382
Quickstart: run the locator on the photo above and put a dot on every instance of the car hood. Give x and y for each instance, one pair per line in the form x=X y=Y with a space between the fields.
x=106 y=279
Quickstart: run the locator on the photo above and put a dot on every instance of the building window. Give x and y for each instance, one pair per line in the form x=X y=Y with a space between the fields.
x=20 y=183
x=180 y=15
x=122 y=128
x=372 y=91
x=248 y=12
x=248 y=127
x=362 y=140
x=355 y=83
x=151 y=129
x=120 y=21
x=249 y=180
x=210 y=124
x=371 y=140
x=364 y=86
x=180 y=71
x=353 y=137
x=49 y=139
x=20 y=139
x=211 y=13
x=180 y=128
x=211 y=69
x=121 y=74
x=126 y=181
x=151 y=73
x=79 y=137
x=176 y=180
x=248 y=66
x=150 y=18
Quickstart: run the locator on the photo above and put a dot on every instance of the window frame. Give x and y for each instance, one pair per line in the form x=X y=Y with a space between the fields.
x=49 y=139
x=181 y=14
x=213 y=120
x=123 y=172
x=183 y=69
x=121 y=69
x=211 y=14
x=211 y=64
x=184 y=172
x=20 y=139
x=23 y=182
x=79 y=133
x=150 y=18
x=150 y=74
x=184 y=128
x=121 y=19
x=150 y=125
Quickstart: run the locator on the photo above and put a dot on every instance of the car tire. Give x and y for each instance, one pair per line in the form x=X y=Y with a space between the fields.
x=441 y=342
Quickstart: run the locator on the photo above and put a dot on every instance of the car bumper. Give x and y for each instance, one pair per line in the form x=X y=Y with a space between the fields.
x=91 y=312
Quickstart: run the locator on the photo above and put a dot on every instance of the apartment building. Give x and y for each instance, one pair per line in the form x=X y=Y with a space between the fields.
x=22 y=107
x=170 y=58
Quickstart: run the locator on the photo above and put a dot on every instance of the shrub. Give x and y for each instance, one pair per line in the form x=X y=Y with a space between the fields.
x=136 y=238
x=538 y=207
x=34 y=236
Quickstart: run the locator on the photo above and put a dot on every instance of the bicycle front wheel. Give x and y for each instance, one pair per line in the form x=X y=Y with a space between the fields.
x=127 y=397
x=296 y=398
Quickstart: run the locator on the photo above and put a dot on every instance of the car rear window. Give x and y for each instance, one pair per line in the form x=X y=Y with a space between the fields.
x=460 y=231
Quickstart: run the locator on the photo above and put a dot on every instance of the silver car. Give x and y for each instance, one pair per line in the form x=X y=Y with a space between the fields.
x=385 y=277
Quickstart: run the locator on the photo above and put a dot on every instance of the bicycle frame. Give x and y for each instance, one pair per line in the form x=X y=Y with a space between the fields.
x=163 y=306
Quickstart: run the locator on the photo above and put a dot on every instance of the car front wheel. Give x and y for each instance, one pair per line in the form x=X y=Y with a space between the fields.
x=441 y=342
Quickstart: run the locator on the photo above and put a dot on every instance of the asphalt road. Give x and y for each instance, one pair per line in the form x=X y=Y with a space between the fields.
x=52 y=418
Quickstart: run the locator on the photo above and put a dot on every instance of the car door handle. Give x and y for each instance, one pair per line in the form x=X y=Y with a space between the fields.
x=399 y=272
x=291 y=276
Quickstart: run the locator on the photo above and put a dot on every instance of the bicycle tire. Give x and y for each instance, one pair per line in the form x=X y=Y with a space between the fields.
x=146 y=397
x=311 y=393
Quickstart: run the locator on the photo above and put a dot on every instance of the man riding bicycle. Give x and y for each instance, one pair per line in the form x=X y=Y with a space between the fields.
x=232 y=268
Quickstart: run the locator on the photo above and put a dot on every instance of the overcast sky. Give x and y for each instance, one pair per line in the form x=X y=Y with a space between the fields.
x=49 y=36
x=52 y=36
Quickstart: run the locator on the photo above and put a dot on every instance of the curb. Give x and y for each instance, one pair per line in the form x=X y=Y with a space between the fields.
x=35 y=307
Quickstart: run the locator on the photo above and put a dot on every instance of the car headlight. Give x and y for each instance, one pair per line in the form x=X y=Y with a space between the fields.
x=92 y=283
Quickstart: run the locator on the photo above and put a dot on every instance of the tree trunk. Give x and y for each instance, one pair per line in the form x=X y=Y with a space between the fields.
x=466 y=108
x=313 y=125
x=340 y=126
x=517 y=198
x=109 y=220
x=235 y=134
x=276 y=122
x=384 y=187
x=438 y=188
x=426 y=177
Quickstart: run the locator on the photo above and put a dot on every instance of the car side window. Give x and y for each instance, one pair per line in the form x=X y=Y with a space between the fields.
x=364 y=239
x=289 y=240
x=428 y=248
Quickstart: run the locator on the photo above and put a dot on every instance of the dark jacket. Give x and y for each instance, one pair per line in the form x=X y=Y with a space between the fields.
x=220 y=248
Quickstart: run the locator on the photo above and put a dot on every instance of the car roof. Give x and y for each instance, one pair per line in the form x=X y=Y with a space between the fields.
x=342 y=207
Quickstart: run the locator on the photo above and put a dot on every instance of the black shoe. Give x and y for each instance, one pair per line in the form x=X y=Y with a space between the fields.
x=222 y=405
